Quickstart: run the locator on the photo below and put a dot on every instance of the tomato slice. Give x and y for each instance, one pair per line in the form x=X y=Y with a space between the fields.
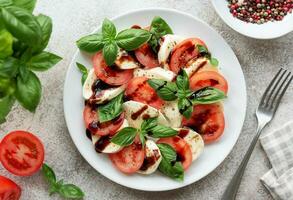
x=208 y=78
x=130 y=158
x=208 y=120
x=184 y=154
x=9 y=190
x=184 y=52
x=21 y=153
x=91 y=121
x=146 y=56
x=110 y=74
x=139 y=90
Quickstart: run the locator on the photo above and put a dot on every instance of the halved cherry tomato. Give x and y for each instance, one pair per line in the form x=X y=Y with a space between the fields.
x=139 y=90
x=110 y=74
x=21 y=153
x=8 y=189
x=146 y=56
x=92 y=123
x=208 y=120
x=208 y=78
x=130 y=158
x=184 y=52
x=184 y=154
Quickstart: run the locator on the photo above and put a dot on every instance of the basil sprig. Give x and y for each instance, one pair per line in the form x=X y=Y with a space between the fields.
x=169 y=166
x=204 y=52
x=109 y=41
x=207 y=95
x=83 y=70
x=65 y=190
x=111 y=110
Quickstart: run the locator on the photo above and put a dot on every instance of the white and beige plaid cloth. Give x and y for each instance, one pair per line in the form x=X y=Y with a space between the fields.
x=278 y=146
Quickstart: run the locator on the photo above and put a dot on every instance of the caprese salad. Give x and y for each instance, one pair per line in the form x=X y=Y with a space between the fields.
x=152 y=98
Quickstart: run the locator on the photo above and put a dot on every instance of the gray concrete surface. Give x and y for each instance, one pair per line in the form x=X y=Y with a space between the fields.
x=74 y=18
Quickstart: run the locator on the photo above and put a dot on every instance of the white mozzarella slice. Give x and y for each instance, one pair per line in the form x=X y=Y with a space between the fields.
x=194 y=140
x=87 y=86
x=162 y=119
x=156 y=73
x=169 y=42
x=153 y=158
x=108 y=94
x=171 y=112
x=198 y=65
x=125 y=61
x=111 y=147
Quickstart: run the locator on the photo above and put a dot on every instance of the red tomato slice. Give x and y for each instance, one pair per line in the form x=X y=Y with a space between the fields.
x=208 y=78
x=208 y=120
x=21 y=153
x=91 y=120
x=184 y=154
x=9 y=190
x=184 y=52
x=139 y=90
x=146 y=56
x=130 y=158
x=110 y=74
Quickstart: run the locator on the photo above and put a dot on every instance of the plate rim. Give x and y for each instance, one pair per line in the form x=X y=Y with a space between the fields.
x=91 y=163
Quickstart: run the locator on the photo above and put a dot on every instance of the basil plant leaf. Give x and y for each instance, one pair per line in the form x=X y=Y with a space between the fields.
x=49 y=174
x=142 y=138
x=6 y=41
x=125 y=136
x=165 y=90
x=6 y=104
x=111 y=110
x=182 y=80
x=46 y=29
x=214 y=62
x=108 y=30
x=43 y=61
x=24 y=73
x=185 y=107
x=161 y=131
x=22 y=25
x=91 y=43
x=28 y=5
x=7 y=86
x=207 y=95
x=160 y=27
x=71 y=191
x=29 y=93
x=149 y=123
x=110 y=52
x=131 y=39
x=4 y=3
x=9 y=67
x=84 y=72
x=203 y=51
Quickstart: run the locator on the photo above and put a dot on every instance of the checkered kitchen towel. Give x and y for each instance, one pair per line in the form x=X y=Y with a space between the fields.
x=278 y=146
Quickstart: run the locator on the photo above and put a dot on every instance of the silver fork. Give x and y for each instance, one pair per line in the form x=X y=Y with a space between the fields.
x=264 y=114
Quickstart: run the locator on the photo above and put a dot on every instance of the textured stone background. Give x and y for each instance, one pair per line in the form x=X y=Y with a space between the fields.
x=74 y=18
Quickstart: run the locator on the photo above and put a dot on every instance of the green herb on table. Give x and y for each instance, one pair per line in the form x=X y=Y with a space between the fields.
x=204 y=52
x=65 y=190
x=83 y=70
x=111 y=109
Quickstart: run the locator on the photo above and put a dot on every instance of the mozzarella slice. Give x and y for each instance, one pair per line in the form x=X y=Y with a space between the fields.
x=169 y=42
x=87 y=91
x=125 y=61
x=171 y=112
x=108 y=94
x=110 y=147
x=194 y=140
x=199 y=64
x=152 y=158
x=156 y=73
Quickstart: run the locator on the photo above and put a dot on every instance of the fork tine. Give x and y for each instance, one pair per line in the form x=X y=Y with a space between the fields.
x=282 y=93
x=268 y=88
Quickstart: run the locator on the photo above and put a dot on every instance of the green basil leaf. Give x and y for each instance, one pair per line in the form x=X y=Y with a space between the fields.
x=165 y=90
x=154 y=43
x=91 y=43
x=43 y=61
x=29 y=93
x=131 y=39
x=22 y=25
x=9 y=67
x=142 y=138
x=160 y=27
x=182 y=81
x=49 y=174
x=28 y=5
x=46 y=29
x=203 y=51
x=7 y=86
x=111 y=110
x=108 y=30
x=4 y=3
x=71 y=191
x=6 y=104
x=214 y=62
x=185 y=107
x=84 y=72
x=24 y=73
x=156 y=84
x=148 y=124
x=167 y=152
x=125 y=136
x=110 y=52
x=207 y=95
x=161 y=131
x=6 y=41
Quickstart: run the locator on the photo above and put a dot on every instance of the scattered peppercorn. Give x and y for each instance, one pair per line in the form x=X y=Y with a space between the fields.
x=260 y=11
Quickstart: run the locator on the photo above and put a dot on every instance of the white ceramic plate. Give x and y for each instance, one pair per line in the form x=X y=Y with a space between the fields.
x=214 y=154
x=267 y=30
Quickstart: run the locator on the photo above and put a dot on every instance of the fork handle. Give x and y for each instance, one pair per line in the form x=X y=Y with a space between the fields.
x=231 y=190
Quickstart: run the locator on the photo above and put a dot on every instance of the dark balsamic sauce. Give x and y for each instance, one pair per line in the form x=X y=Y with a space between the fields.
x=135 y=115
x=100 y=85
x=102 y=143
x=183 y=132
x=88 y=134
x=149 y=161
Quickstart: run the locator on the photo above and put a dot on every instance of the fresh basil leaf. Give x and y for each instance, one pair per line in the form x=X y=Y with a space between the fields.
x=111 y=110
x=71 y=191
x=22 y=25
x=167 y=152
x=125 y=136
x=160 y=27
x=84 y=72
x=46 y=28
x=7 y=86
x=6 y=104
x=154 y=43
x=142 y=139
x=43 y=61
x=207 y=95
x=108 y=30
x=131 y=39
x=156 y=84
x=110 y=52
x=29 y=93
x=28 y=5
x=9 y=67
x=49 y=174
x=4 y=3
x=214 y=62
x=202 y=49
x=149 y=124
x=182 y=80
x=165 y=90
x=91 y=43
x=6 y=41
x=161 y=131
x=24 y=73
x=185 y=107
